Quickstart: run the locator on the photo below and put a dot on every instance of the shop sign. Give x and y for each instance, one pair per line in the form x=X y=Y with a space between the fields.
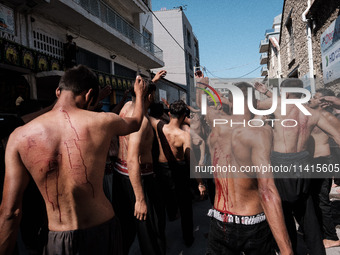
x=330 y=52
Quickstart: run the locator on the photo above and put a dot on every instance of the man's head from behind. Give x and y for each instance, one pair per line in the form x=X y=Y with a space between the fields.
x=178 y=109
x=80 y=80
x=292 y=83
x=150 y=91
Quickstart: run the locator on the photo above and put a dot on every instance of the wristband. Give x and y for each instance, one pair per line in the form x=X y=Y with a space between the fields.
x=266 y=92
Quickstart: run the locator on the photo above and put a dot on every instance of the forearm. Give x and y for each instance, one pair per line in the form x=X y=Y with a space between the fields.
x=9 y=225
x=202 y=149
x=119 y=106
x=136 y=180
x=138 y=111
x=271 y=204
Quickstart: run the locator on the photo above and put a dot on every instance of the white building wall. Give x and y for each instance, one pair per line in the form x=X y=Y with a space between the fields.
x=173 y=54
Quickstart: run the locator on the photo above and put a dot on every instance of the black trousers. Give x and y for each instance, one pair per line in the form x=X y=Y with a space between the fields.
x=174 y=180
x=320 y=192
x=236 y=239
x=297 y=202
x=151 y=232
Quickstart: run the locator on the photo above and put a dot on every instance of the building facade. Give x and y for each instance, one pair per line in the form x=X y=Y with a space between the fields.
x=113 y=38
x=270 y=51
x=309 y=42
x=180 y=53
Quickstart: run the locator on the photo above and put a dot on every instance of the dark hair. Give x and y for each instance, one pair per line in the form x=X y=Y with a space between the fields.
x=245 y=85
x=325 y=92
x=150 y=87
x=79 y=79
x=178 y=109
x=156 y=110
x=293 y=83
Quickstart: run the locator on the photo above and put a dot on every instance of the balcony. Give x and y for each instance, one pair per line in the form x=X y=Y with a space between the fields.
x=98 y=22
x=264 y=45
x=264 y=71
x=264 y=58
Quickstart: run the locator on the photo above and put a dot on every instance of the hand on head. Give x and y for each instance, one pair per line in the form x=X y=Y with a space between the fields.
x=139 y=87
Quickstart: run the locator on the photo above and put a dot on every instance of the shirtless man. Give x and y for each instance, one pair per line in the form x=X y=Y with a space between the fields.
x=247 y=208
x=173 y=162
x=64 y=150
x=290 y=149
x=136 y=196
x=322 y=187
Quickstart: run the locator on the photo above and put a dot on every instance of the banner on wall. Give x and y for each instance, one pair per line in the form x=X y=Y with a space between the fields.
x=330 y=52
x=7 y=20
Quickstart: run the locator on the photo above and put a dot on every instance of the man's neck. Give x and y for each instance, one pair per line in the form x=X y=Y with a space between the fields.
x=174 y=122
x=67 y=100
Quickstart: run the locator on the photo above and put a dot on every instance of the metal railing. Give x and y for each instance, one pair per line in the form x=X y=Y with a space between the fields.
x=114 y=20
x=264 y=55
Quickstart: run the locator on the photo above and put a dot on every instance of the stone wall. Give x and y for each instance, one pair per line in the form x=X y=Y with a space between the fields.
x=322 y=14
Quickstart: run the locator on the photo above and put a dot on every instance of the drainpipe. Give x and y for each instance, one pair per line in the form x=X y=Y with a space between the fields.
x=310 y=48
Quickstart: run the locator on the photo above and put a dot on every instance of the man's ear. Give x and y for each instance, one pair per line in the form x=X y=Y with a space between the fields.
x=89 y=96
x=150 y=98
x=58 y=92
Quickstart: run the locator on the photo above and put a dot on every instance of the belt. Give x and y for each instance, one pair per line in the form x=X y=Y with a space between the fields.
x=237 y=219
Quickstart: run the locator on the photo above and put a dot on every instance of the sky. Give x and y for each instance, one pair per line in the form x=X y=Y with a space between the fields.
x=228 y=32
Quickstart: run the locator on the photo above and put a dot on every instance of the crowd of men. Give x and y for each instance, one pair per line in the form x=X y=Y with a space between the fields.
x=107 y=177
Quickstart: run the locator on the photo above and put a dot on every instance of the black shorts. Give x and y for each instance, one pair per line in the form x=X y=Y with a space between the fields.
x=102 y=240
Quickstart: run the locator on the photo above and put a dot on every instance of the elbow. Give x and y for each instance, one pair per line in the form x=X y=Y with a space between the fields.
x=9 y=214
x=268 y=196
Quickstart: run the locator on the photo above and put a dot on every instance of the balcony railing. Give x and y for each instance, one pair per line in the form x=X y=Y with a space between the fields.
x=264 y=58
x=264 y=71
x=107 y=15
x=264 y=44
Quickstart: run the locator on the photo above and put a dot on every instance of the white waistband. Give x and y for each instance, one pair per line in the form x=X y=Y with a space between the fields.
x=243 y=220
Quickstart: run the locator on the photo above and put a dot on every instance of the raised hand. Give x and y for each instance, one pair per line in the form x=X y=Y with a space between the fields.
x=260 y=87
x=160 y=74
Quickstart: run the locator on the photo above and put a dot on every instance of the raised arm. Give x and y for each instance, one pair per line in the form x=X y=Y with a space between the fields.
x=269 y=196
x=134 y=147
x=260 y=87
x=120 y=105
x=16 y=180
x=160 y=74
x=332 y=100
x=124 y=126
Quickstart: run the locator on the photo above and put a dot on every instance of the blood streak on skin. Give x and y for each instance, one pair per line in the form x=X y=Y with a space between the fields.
x=68 y=153
x=67 y=116
x=69 y=120
x=53 y=167
x=85 y=168
x=221 y=185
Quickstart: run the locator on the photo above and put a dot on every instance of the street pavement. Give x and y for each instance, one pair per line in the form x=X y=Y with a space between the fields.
x=175 y=245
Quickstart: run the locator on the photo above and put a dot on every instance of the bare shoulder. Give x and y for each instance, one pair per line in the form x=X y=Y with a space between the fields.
x=255 y=135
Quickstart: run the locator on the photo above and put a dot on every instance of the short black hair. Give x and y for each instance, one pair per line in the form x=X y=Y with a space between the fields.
x=178 y=109
x=293 y=83
x=150 y=87
x=79 y=79
x=325 y=92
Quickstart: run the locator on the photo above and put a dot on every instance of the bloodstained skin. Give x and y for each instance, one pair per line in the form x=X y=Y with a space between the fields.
x=53 y=168
x=221 y=184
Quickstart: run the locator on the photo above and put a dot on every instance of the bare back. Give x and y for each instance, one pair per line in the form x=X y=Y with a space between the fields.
x=65 y=151
x=237 y=193
x=293 y=139
x=171 y=143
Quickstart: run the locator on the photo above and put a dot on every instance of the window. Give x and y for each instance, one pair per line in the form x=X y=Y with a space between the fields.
x=189 y=38
x=196 y=50
x=47 y=44
x=147 y=43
